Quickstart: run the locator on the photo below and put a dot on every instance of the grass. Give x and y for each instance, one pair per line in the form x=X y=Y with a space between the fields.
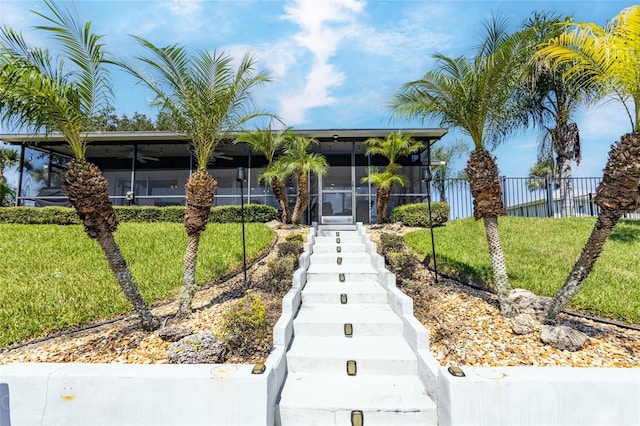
x=540 y=253
x=54 y=277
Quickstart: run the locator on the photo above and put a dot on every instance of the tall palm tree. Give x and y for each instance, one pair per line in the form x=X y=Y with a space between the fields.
x=393 y=146
x=270 y=144
x=208 y=100
x=39 y=93
x=477 y=96
x=553 y=100
x=297 y=161
x=9 y=159
x=605 y=60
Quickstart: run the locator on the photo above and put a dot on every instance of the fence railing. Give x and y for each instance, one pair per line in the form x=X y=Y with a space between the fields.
x=523 y=197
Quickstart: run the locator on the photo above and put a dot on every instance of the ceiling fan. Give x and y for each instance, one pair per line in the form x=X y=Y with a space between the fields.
x=141 y=157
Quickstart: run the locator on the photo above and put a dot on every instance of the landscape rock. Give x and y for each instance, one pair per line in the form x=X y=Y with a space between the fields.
x=523 y=324
x=199 y=348
x=274 y=224
x=526 y=302
x=395 y=227
x=173 y=334
x=563 y=337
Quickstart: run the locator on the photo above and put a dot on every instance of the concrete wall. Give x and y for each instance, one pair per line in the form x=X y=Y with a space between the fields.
x=130 y=394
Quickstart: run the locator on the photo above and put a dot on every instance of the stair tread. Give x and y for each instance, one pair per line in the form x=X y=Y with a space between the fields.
x=378 y=392
x=346 y=287
x=367 y=347
x=341 y=269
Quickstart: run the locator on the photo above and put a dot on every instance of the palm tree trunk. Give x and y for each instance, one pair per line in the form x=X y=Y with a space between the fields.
x=607 y=220
x=123 y=276
x=87 y=191
x=498 y=265
x=382 y=203
x=303 y=198
x=188 y=289
x=566 y=187
x=280 y=193
x=484 y=182
x=200 y=190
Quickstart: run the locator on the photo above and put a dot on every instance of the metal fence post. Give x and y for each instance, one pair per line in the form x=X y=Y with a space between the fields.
x=549 y=188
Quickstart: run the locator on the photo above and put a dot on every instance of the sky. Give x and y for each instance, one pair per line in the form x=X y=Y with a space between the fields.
x=334 y=64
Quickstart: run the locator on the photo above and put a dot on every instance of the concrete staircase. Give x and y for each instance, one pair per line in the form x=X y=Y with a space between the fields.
x=349 y=362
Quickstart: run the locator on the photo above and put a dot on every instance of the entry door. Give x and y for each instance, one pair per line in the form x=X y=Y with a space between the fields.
x=337 y=198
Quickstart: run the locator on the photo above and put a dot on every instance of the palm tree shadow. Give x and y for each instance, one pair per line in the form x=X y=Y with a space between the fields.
x=466 y=274
x=627 y=231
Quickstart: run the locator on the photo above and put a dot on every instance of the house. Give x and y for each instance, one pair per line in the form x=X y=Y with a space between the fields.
x=151 y=168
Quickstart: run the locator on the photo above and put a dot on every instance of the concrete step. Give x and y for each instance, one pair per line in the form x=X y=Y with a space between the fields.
x=330 y=399
x=357 y=292
x=373 y=356
x=329 y=320
x=343 y=237
x=336 y=227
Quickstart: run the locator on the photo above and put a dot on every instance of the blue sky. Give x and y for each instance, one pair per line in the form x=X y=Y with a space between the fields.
x=335 y=63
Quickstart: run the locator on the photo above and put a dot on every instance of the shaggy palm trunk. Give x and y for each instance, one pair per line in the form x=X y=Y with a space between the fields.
x=281 y=195
x=200 y=190
x=87 y=191
x=617 y=194
x=567 y=145
x=303 y=198
x=482 y=173
x=566 y=187
x=382 y=203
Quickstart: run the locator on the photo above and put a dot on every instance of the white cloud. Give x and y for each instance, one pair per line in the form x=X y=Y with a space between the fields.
x=323 y=26
x=183 y=7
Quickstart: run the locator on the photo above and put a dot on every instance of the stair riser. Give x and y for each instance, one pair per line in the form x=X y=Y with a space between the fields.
x=352 y=298
x=344 y=249
x=348 y=259
x=323 y=365
x=310 y=416
x=325 y=329
x=334 y=277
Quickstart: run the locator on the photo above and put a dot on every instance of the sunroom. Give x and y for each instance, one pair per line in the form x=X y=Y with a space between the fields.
x=151 y=169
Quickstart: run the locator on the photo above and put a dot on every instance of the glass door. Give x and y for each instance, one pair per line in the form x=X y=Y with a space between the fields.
x=337 y=200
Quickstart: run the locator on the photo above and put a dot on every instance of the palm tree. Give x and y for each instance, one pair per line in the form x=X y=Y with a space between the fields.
x=9 y=158
x=383 y=181
x=40 y=94
x=297 y=161
x=553 y=100
x=605 y=60
x=477 y=96
x=393 y=146
x=208 y=100
x=270 y=144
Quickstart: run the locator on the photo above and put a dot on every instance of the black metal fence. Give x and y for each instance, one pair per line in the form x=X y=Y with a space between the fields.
x=523 y=197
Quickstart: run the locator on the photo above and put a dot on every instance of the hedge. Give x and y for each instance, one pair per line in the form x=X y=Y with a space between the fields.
x=68 y=216
x=418 y=214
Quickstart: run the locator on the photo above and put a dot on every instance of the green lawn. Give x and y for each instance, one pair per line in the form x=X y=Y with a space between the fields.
x=540 y=254
x=54 y=277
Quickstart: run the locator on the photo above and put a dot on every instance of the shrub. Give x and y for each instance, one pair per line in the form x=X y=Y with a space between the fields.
x=403 y=264
x=245 y=325
x=148 y=214
x=295 y=237
x=279 y=273
x=418 y=214
x=289 y=249
x=391 y=243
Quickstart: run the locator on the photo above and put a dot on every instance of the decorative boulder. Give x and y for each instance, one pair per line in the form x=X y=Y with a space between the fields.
x=173 y=334
x=523 y=324
x=199 y=348
x=526 y=302
x=563 y=337
x=395 y=227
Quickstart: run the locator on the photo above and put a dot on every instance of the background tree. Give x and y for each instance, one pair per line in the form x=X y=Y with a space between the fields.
x=207 y=99
x=9 y=159
x=392 y=147
x=270 y=144
x=605 y=61
x=41 y=94
x=443 y=175
x=539 y=172
x=478 y=97
x=553 y=101
x=298 y=161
